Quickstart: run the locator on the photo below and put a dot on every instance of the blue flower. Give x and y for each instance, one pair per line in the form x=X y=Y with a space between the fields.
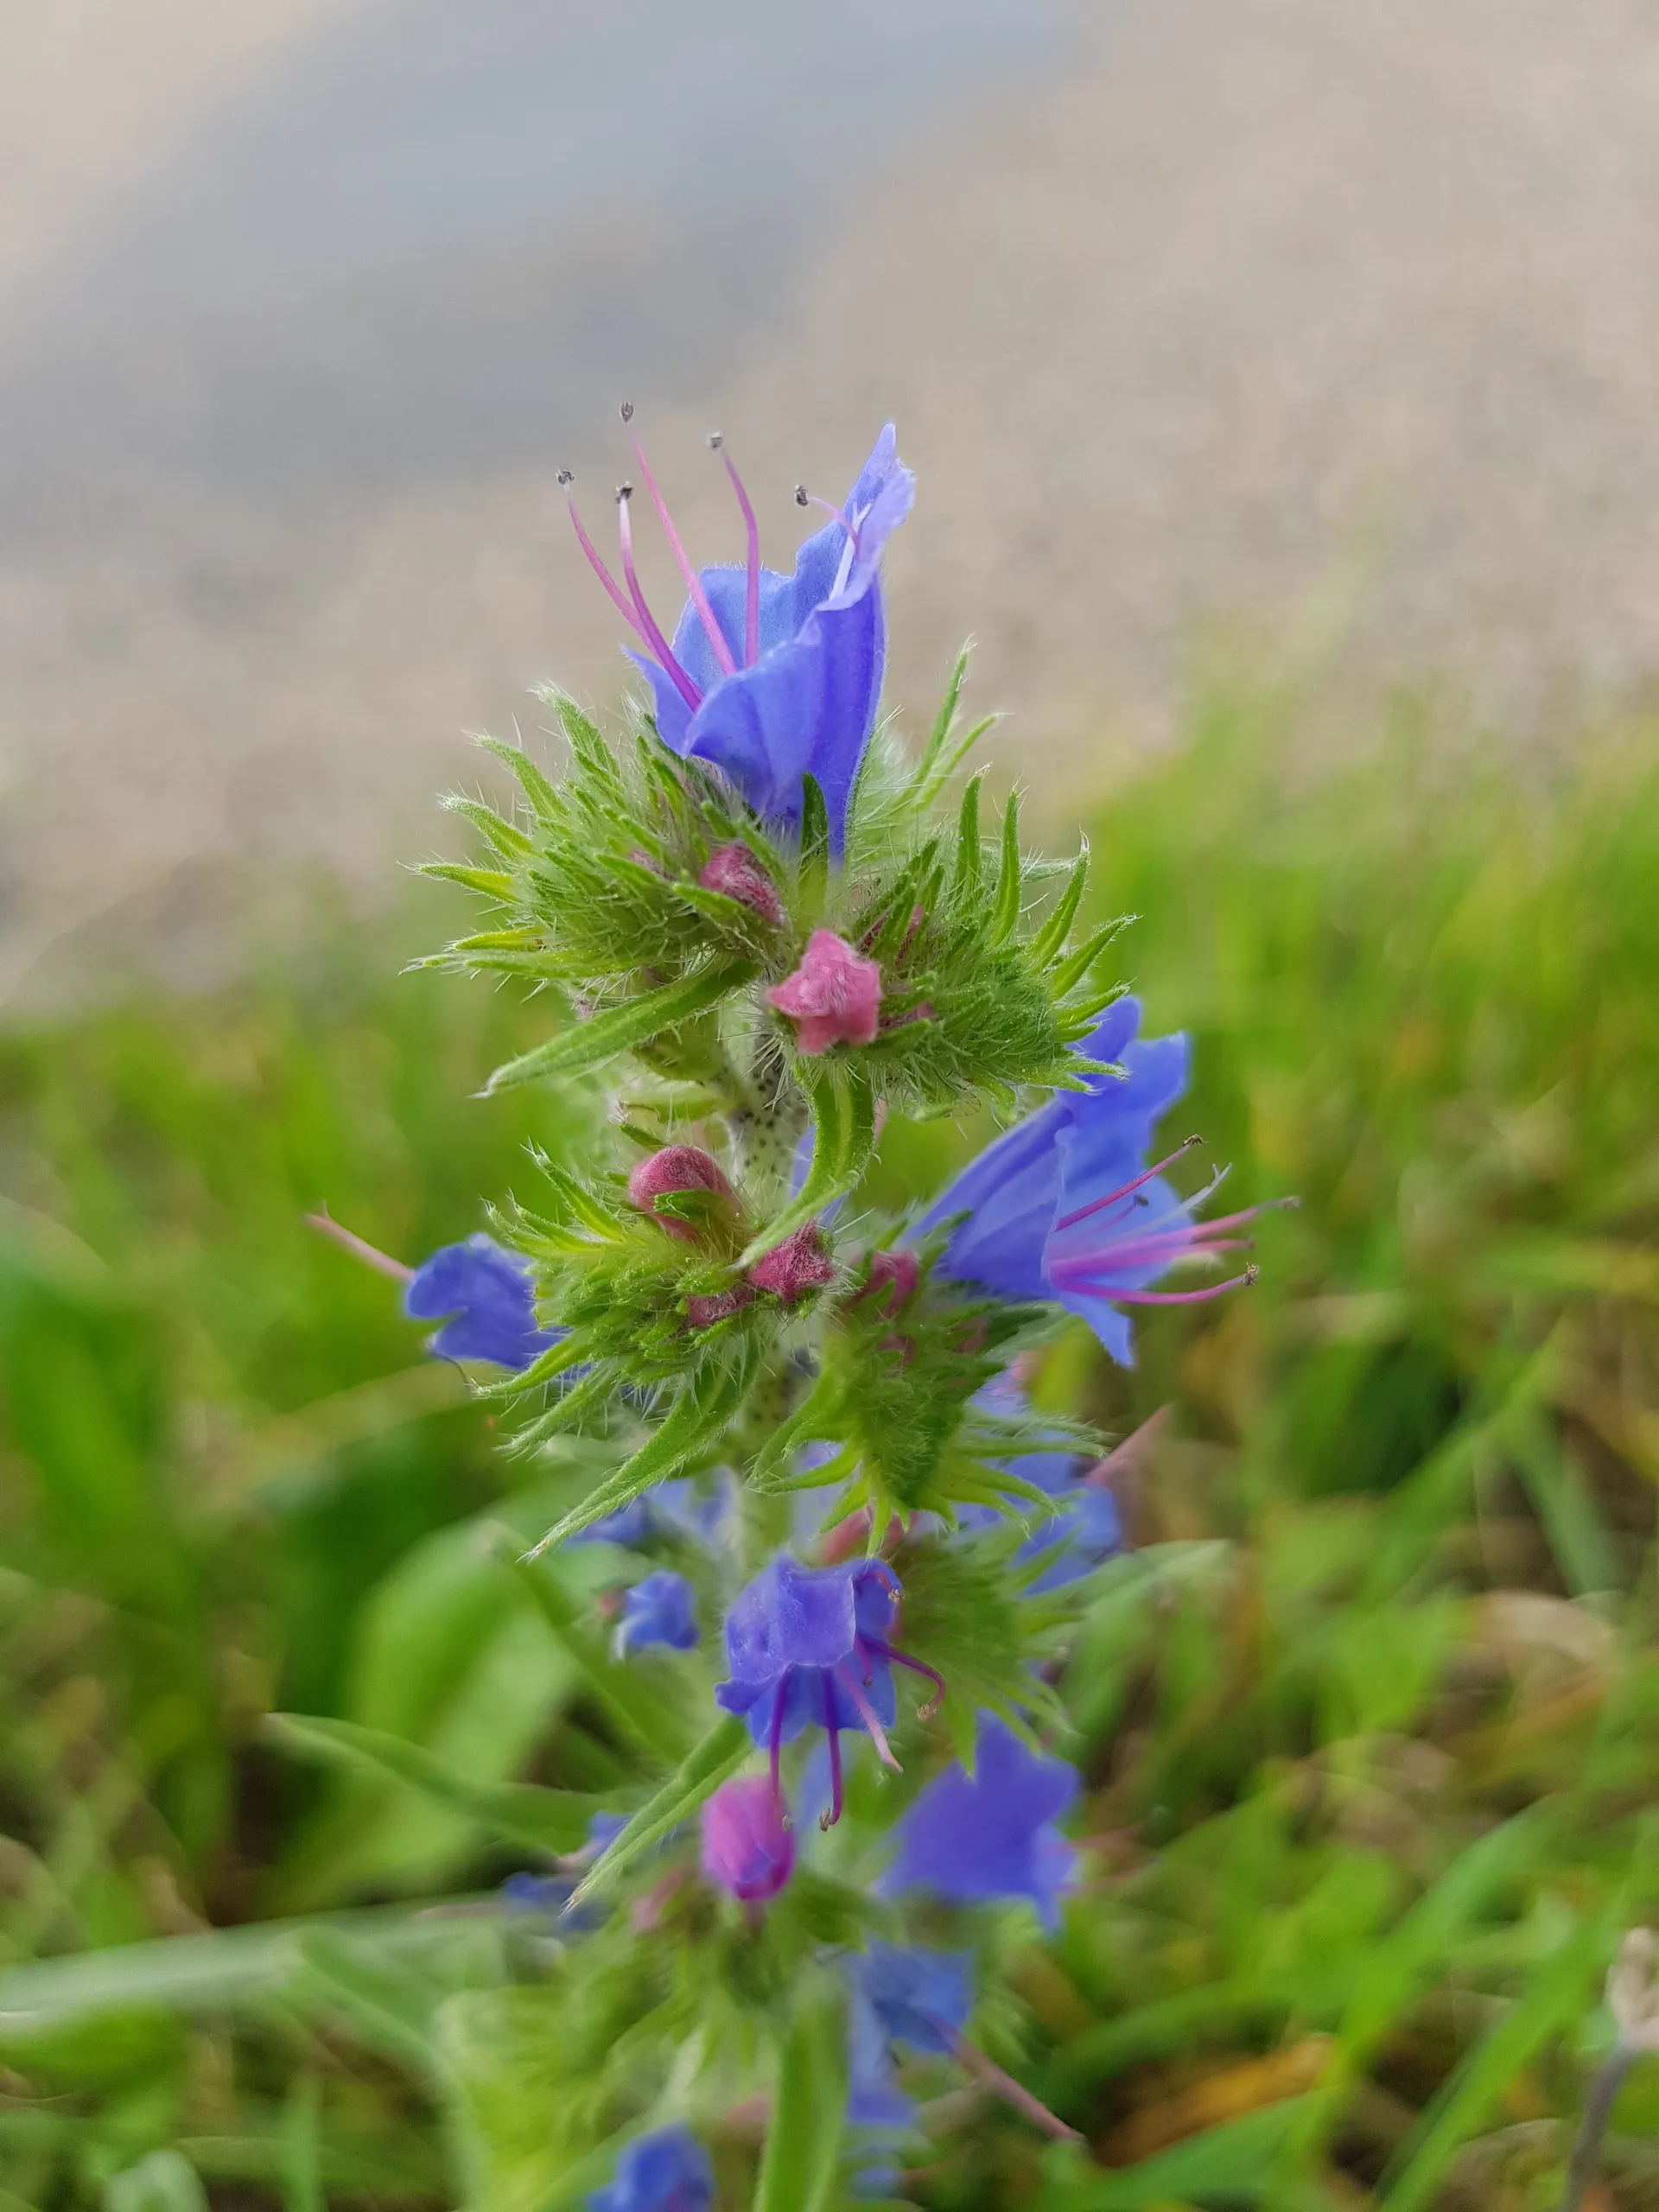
x=667 y=2172
x=1063 y=1208
x=482 y=1294
x=772 y=677
x=992 y=1836
x=1085 y=1526
x=921 y=1998
x=807 y=1647
x=659 y=1610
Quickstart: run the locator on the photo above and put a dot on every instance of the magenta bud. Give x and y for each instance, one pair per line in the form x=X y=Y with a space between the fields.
x=734 y=870
x=797 y=1265
x=834 y=997
x=747 y=1847
x=717 y=1306
x=677 y=1167
x=892 y=1280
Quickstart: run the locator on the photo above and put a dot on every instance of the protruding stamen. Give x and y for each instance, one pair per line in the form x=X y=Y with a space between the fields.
x=827 y=1820
x=903 y=1659
x=618 y=597
x=1169 y=1297
x=359 y=1248
x=653 y=637
x=775 y=1748
x=805 y=499
x=986 y=2071
x=752 y=586
x=867 y=1713
x=699 y=598
x=1096 y=1205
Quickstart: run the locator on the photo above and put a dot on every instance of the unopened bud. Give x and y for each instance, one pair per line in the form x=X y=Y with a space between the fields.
x=734 y=870
x=797 y=1265
x=677 y=1167
x=834 y=996
x=747 y=1846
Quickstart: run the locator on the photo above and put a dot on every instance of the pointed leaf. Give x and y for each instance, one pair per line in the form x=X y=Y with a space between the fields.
x=715 y=1759
x=587 y=1044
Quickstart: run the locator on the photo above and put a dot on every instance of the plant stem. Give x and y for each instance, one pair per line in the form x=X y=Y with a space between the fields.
x=1586 y=2148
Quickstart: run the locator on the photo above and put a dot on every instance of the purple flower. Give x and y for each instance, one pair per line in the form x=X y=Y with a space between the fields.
x=918 y=1998
x=748 y=1846
x=993 y=1836
x=1063 y=1208
x=482 y=1294
x=665 y=2172
x=772 y=677
x=807 y=1647
x=659 y=1610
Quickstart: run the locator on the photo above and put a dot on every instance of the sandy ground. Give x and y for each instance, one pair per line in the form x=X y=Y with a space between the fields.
x=1220 y=314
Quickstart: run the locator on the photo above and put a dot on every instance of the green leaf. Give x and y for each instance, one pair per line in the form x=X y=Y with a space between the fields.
x=543 y=798
x=633 y=1701
x=1049 y=940
x=939 y=736
x=1005 y=907
x=494 y=883
x=691 y=1425
x=797 y=2167
x=509 y=841
x=715 y=1760
x=1230 y=2163
x=521 y=1812
x=587 y=1044
x=814 y=876
x=968 y=840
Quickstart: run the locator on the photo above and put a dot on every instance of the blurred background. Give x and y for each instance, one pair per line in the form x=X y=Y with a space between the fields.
x=1282 y=379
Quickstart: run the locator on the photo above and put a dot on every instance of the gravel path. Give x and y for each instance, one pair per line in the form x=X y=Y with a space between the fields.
x=1200 y=317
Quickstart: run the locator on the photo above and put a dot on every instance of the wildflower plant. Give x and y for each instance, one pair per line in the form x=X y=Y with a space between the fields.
x=798 y=1428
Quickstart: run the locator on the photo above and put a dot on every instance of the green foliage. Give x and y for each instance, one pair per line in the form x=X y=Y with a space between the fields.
x=1370 y=1721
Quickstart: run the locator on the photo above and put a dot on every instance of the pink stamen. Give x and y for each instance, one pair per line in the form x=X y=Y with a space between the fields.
x=805 y=499
x=775 y=1747
x=1111 y=1198
x=653 y=637
x=827 y=1820
x=752 y=589
x=699 y=598
x=903 y=1659
x=1167 y=1250
x=866 y=1712
x=1167 y=1297
x=990 y=2075
x=618 y=596
x=371 y=1256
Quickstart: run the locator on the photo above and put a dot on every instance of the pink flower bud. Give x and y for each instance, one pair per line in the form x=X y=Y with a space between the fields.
x=797 y=1265
x=892 y=1280
x=747 y=1847
x=835 y=995
x=734 y=870
x=718 y=1306
x=677 y=1167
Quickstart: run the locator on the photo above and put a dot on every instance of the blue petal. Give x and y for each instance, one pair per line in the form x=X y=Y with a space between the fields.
x=660 y=1608
x=484 y=1297
x=667 y=2172
x=919 y=1998
x=992 y=1836
x=808 y=705
x=791 y=1616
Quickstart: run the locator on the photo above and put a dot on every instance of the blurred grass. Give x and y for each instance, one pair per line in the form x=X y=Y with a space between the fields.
x=1373 y=1713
